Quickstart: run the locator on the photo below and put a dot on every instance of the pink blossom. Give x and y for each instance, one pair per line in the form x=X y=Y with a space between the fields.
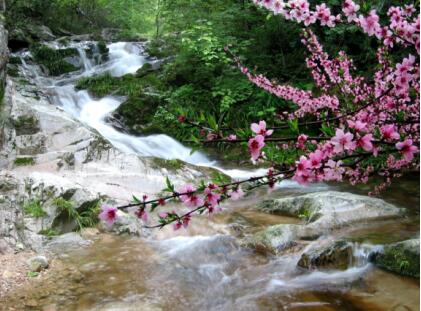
x=211 y=136
x=407 y=149
x=301 y=141
x=255 y=146
x=357 y=125
x=260 y=129
x=365 y=142
x=303 y=165
x=342 y=141
x=316 y=158
x=212 y=198
x=189 y=198
x=142 y=214
x=389 y=132
x=370 y=24
x=108 y=214
x=350 y=9
x=333 y=171
x=236 y=194
x=232 y=137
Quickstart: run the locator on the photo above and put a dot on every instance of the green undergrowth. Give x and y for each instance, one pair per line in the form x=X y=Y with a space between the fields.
x=34 y=208
x=86 y=216
x=24 y=161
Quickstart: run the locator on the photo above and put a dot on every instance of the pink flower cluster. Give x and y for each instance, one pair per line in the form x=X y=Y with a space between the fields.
x=403 y=28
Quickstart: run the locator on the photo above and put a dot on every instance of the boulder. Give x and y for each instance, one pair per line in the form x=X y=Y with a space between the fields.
x=402 y=257
x=329 y=210
x=124 y=224
x=66 y=242
x=38 y=263
x=274 y=239
x=337 y=255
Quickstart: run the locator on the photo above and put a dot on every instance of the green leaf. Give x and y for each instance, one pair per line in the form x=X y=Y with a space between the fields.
x=170 y=186
x=136 y=200
x=212 y=123
x=293 y=125
x=327 y=130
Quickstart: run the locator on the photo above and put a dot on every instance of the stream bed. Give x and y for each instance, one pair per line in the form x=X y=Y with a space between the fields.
x=206 y=267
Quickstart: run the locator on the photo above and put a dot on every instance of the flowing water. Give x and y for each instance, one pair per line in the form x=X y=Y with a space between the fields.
x=204 y=267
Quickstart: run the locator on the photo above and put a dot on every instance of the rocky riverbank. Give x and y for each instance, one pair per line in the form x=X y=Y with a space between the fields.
x=61 y=160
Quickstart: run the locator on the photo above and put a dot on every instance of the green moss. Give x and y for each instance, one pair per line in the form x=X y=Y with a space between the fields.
x=34 y=209
x=168 y=164
x=24 y=161
x=144 y=70
x=49 y=232
x=12 y=71
x=15 y=60
x=402 y=258
x=102 y=47
x=53 y=59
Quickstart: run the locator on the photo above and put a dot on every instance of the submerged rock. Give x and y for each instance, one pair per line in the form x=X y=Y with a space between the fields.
x=402 y=257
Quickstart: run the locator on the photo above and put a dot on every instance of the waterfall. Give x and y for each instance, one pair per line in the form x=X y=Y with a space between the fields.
x=124 y=58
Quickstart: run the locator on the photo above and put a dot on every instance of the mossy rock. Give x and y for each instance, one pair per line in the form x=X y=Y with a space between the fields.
x=137 y=111
x=144 y=70
x=54 y=60
x=337 y=256
x=402 y=257
x=26 y=125
x=172 y=165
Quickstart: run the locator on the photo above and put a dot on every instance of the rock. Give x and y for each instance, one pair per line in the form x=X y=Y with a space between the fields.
x=66 y=242
x=274 y=239
x=144 y=70
x=125 y=224
x=329 y=210
x=43 y=33
x=38 y=263
x=4 y=53
x=4 y=247
x=402 y=257
x=337 y=255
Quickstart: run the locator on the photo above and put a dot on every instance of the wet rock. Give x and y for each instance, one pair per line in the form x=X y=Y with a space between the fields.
x=66 y=242
x=274 y=239
x=402 y=257
x=325 y=211
x=38 y=263
x=337 y=255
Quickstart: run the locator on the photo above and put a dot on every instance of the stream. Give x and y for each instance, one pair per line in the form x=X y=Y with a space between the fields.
x=205 y=267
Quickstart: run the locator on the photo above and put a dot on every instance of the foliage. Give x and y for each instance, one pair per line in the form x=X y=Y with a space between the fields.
x=88 y=217
x=49 y=232
x=54 y=60
x=23 y=161
x=34 y=208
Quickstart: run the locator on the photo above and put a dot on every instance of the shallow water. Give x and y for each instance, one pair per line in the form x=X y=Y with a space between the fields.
x=204 y=268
